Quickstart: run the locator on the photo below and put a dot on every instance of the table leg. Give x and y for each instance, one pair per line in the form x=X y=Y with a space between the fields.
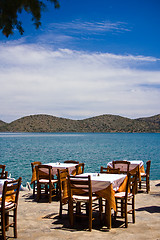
x=107 y=215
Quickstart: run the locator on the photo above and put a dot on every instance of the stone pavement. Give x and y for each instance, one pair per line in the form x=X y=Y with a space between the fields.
x=40 y=221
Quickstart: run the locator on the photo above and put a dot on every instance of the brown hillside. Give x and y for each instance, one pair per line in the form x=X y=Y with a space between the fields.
x=103 y=123
x=113 y=123
x=41 y=123
x=154 y=119
x=2 y=124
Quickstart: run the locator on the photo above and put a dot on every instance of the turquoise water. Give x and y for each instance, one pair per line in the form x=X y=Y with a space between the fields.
x=18 y=150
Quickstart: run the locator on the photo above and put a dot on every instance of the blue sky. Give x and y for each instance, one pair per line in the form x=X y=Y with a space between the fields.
x=88 y=58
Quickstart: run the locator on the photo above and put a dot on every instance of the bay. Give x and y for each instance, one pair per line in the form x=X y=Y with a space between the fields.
x=18 y=150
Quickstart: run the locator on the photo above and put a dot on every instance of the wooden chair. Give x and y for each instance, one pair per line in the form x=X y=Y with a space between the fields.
x=109 y=170
x=63 y=188
x=45 y=178
x=80 y=191
x=71 y=161
x=123 y=165
x=33 y=164
x=145 y=182
x=8 y=207
x=2 y=171
x=5 y=175
x=79 y=168
x=125 y=200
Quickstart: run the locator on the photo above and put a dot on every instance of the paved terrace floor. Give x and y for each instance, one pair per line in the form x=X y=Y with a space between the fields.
x=40 y=221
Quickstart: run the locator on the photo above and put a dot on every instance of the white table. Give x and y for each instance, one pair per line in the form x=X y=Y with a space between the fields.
x=55 y=166
x=105 y=185
x=1 y=185
x=101 y=180
x=132 y=166
x=58 y=165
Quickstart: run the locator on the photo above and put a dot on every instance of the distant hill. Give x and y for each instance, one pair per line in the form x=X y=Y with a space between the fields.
x=155 y=119
x=103 y=123
x=2 y=123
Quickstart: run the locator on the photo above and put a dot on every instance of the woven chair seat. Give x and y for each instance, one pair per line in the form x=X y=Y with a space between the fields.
x=122 y=195
x=47 y=181
x=80 y=198
x=143 y=174
x=8 y=205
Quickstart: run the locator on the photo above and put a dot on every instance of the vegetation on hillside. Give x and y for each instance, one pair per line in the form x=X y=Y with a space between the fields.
x=2 y=123
x=103 y=123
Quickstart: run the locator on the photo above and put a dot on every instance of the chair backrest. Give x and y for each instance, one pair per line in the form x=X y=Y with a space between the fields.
x=71 y=161
x=148 y=163
x=33 y=164
x=44 y=172
x=109 y=170
x=127 y=186
x=133 y=183
x=131 y=186
x=104 y=169
x=11 y=193
x=63 y=183
x=79 y=185
x=122 y=165
x=79 y=168
x=5 y=175
x=2 y=171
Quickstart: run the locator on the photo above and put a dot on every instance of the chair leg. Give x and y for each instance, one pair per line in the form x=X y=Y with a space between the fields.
x=34 y=189
x=38 y=191
x=133 y=209
x=136 y=187
x=78 y=208
x=90 y=217
x=50 y=194
x=147 y=185
x=46 y=189
x=60 y=210
x=115 y=212
x=100 y=209
x=71 y=213
x=3 y=226
x=122 y=209
x=7 y=220
x=126 y=216
x=87 y=209
x=15 y=223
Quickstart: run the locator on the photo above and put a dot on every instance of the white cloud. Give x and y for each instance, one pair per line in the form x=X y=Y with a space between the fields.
x=91 y=26
x=74 y=84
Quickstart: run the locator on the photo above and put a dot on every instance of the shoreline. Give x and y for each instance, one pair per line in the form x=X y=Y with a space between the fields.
x=41 y=221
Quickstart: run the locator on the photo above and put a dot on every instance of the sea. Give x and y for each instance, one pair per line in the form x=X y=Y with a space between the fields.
x=18 y=150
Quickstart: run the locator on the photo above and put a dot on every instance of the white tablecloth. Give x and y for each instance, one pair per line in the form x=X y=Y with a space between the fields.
x=133 y=164
x=55 y=166
x=1 y=185
x=101 y=181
